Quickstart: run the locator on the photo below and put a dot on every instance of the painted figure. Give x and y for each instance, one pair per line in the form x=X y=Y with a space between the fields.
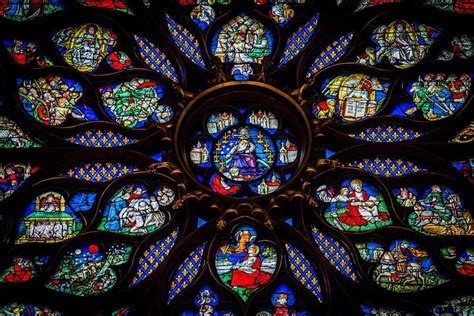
x=407 y=268
x=85 y=46
x=404 y=44
x=439 y=211
x=354 y=96
x=243 y=154
x=119 y=61
x=247 y=264
x=86 y=271
x=12 y=176
x=242 y=40
x=203 y=15
x=135 y=211
x=354 y=208
x=465 y=262
x=22 y=270
x=222 y=186
x=52 y=100
x=133 y=103
x=48 y=219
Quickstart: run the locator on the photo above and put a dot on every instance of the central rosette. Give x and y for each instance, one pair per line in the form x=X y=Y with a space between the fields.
x=244 y=153
x=239 y=139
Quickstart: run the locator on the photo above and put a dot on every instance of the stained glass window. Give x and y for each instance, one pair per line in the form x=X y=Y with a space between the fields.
x=231 y=157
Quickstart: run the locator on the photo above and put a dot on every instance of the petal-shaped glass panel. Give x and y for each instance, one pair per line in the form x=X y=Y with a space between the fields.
x=298 y=40
x=83 y=263
x=186 y=42
x=186 y=272
x=231 y=45
x=303 y=271
x=155 y=58
x=18 y=11
x=85 y=46
x=12 y=136
x=246 y=264
x=99 y=171
x=330 y=54
x=154 y=256
x=405 y=267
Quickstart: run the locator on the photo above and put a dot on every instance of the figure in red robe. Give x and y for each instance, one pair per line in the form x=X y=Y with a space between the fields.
x=247 y=273
x=22 y=271
x=109 y=4
x=281 y=307
x=219 y=185
x=464 y=6
x=361 y=208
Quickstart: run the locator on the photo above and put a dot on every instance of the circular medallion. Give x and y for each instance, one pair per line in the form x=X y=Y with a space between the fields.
x=238 y=139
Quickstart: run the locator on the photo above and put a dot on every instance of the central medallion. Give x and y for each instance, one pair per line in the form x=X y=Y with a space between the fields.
x=246 y=146
x=244 y=153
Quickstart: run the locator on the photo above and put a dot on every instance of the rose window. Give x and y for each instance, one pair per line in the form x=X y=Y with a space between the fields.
x=236 y=157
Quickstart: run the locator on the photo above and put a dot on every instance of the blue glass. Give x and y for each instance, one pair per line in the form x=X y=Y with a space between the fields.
x=100 y=138
x=186 y=273
x=155 y=58
x=303 y=271
x=337 y=255
x=153 y=257
x=298 y=40
x=330 y=54
x=99 y=171
x=83 y=201
x=186 y=42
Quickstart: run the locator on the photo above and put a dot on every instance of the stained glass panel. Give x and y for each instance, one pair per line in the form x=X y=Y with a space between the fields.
x=230 y=157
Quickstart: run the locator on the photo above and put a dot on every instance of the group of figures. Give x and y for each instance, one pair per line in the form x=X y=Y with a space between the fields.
x=405 y=267
x=28 y=10
x=352 y=96
x=439 y=211
x=51 y=100
x=133 y=210
x=23 y=269
x=48 y=219
x=438 y=96
x=356 y=206
x=12 y=176
x=134 y=102
x=25 y=52
x=457 y=6
x=403 y=43
x=246 y=264
x=85 y=46
x=462 y=47
x=242 y=40
x=88 y=271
